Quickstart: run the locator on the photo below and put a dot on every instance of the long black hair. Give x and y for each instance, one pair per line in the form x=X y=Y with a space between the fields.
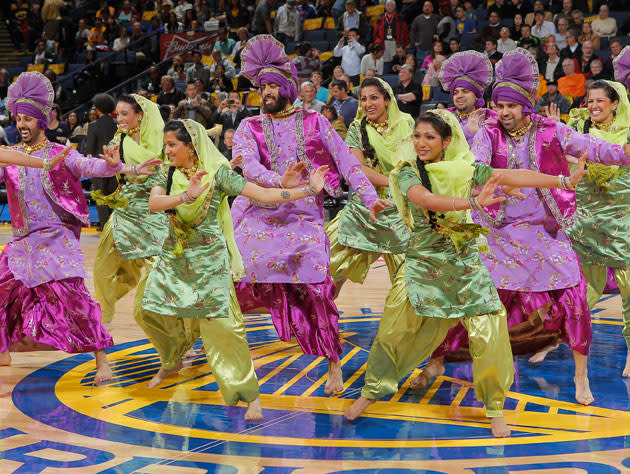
x=610 y=92
x=368 y=150
x=129 y=99
x=181 y=134
x=444 y=130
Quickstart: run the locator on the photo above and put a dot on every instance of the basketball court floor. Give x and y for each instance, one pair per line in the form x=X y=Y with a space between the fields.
x=53 y=419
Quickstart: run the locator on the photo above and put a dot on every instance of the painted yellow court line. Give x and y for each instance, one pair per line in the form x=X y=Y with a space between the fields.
x=278 y=369
x=403 y=388
x=354 y=376
x=299 y=375
x=434 y=388
x=460 y=396
x=324 y=377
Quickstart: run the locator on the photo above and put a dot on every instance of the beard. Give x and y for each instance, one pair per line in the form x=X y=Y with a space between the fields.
x=34 y=135
x=279 y=105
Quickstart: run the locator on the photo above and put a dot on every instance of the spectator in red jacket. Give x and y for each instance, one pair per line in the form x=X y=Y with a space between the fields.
x=390 y=30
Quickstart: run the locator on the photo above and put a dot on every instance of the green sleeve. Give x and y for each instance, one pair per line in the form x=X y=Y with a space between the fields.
x=229 y=182
x=481 y=174
x=407 y=178
x=160 y=178
x=353 y=137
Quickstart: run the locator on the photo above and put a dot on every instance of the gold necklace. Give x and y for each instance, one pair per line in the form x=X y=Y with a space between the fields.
x=517 y=134
x=381 y=128
x=30 y=149
x=604 y=126
x=285 y=113
x=189 y=172
x=462 y=115
x=130 y=132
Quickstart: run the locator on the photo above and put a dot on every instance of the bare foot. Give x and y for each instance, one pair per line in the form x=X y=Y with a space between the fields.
x=540 y=356
x=499 y=428
x=335 y=378
x=254 y=411
x=435 y=368
x=103 y=370
x=190 y=353
x=162 y=374
x=357 y=408
x=626 y=370
x=5 y=358
x=583 y=391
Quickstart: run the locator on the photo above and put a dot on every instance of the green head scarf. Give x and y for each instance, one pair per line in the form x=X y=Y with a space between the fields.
x=400 y=126
x=151 y=134
x=210 y=160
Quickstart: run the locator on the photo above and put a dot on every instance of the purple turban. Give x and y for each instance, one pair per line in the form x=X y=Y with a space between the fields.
x=517 y=79
x=33 y=95
x=263 y=60
x=471 y=70
x=621 y=66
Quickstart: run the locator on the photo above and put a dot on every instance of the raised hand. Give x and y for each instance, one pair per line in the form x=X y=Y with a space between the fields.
x=293 y=176
x=318 y=178
x=378 y=206
x=111 y=154
x=236 y=161
x=146 y=166
x=580 y=170
x=554 y=112
x=486 y=196
x=59 y=157
x=195 y=189
x=474 y=120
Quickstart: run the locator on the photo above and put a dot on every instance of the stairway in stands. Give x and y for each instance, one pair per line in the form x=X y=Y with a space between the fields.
x=9 y=56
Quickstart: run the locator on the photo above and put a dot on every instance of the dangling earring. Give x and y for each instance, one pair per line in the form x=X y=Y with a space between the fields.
x=442 y=154
x=193 y=156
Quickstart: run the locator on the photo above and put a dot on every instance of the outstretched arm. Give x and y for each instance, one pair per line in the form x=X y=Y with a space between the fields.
x=8 y=156
x=532 y=179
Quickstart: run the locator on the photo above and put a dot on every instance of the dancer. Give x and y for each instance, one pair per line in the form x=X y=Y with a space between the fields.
x=132 y=234
x=531 y=259
x=467 y=75
x=189 y=291
x=355 y=241
x=43 y=299
x=601 y=235
x=443 y=280
x=284 y=247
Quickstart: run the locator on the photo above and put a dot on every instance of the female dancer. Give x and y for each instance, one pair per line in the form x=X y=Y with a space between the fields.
x=601 y=236
x=443 y=280
x=132 y=234
x=355 y=241
x=189 y=291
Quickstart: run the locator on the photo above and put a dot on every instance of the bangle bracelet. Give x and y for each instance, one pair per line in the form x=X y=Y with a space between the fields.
x=454 y=204
x=309 y=190
x=187 y=198
x=134 y=170
x=46 y=164
x=474 y=204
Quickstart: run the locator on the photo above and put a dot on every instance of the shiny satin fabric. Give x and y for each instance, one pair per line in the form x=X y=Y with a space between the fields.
x=405 y=339
x=59 y=313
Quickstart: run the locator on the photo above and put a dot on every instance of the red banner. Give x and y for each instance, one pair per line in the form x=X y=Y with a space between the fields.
x=173 y=44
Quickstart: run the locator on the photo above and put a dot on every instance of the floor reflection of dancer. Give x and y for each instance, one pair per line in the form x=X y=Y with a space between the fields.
x=132 y=234
x=285 y=249
x=43 y=299
x=531 y=259
x=443 y=280
x=355 y=241
x=189 y=291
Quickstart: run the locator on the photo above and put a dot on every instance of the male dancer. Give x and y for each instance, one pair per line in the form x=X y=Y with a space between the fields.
x=284 y=247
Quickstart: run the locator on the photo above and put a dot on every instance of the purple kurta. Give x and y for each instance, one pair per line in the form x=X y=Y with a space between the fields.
x=470 y=135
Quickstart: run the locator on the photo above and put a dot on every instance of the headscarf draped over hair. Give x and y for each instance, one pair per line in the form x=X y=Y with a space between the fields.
x=263 y=60
x=517 y=80
x=151 y=134
x=32 y=94
x=471 y=70
x=210 y=160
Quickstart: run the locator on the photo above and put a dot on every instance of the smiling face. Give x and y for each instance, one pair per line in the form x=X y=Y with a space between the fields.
x=510 y=115
x=599 y=105
x=374 y=104
x=428 y=143
x=596 y=67
x=464 y=100
x=272 y=101
x=177 y=151
x=127 y=116
x=29 y=131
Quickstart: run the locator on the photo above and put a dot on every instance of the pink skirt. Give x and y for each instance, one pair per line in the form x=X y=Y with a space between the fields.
x=305 y=311
x=568 y=318
x=60 y=314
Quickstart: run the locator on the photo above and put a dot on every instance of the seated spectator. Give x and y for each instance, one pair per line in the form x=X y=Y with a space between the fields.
x=97 y=32
x=408 y=92
x=551 y=67
x=122 y=41
x=424 y=28
x=172 y=24
x=219 y=80
x=5 y=82
x=169 y=95
x=228 y=66
x=60 y=93
x=176 y=60
x=502 y=7
x=189 y=20
x=615 y=48
x=522 y=7
x=322 y=92
x=232 y=117
x=588 y=35
x=156 y=25
x=412 y=61
x=306 y=10
x=563 y=8
x=198 y=70
x=337 y=122
x=539 y=6
x=349 y=83
x=166 y=112
x=237 y=15
x=127 y=13
x=353 y=18
x=491 y=51
x=178 y=72
x=552 y=96
x=391 y=32
x=572 y=83
x=57 y=130
x=446 y=28
x=262 y=22
x=78 y=131
x=356 y=90
x=453 y=46
x=287 y=25
x=243 y=36
x=307 y=98
x=542 y=27
x=374 y=60
x=562 y=26
x=41 y=56
x=307 y=61
x=527 y=39
x=105 y=11
x=194 y=107
x=597 y=71
x=154 y=83
x=515 y=29
x=577 y=20
x=82 y=34
x=505 y=43
x=463 y=24
x=490 y=31
x=203 y=93
x=228 y=143
x=573 y=50
x=399 y=58
x=588 y=56
x=224 y=44
x=324 y=8
x=605 y=25
x=180 y=9
x=345 y=105
x=350 y=51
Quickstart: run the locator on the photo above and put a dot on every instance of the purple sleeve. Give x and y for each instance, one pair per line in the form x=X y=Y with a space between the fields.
x=90 y=167
x=2 y=174
x=482 y=147
x=347 y=163
x=600 y=151
x=246 y=146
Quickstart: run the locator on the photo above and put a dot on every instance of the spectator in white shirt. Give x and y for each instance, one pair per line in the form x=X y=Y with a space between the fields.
x=307 y=98
x=181 y=8
x=350 y=51
x=228 y=67
x=374 y=60
x=505 y=43
x=541 y=27
x=562 y=23
x=605 y=25
x=122 y=41
x=287 y=24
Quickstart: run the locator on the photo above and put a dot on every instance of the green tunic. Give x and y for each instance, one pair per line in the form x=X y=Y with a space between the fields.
x=443 y=282
x=198 y=283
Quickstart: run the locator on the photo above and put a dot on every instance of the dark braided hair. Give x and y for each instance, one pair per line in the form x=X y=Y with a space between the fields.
x=368 y=150
x=444 y=130
x=610 y=92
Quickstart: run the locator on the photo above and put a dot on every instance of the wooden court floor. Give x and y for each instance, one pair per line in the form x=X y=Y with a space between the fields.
x=53 y=419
